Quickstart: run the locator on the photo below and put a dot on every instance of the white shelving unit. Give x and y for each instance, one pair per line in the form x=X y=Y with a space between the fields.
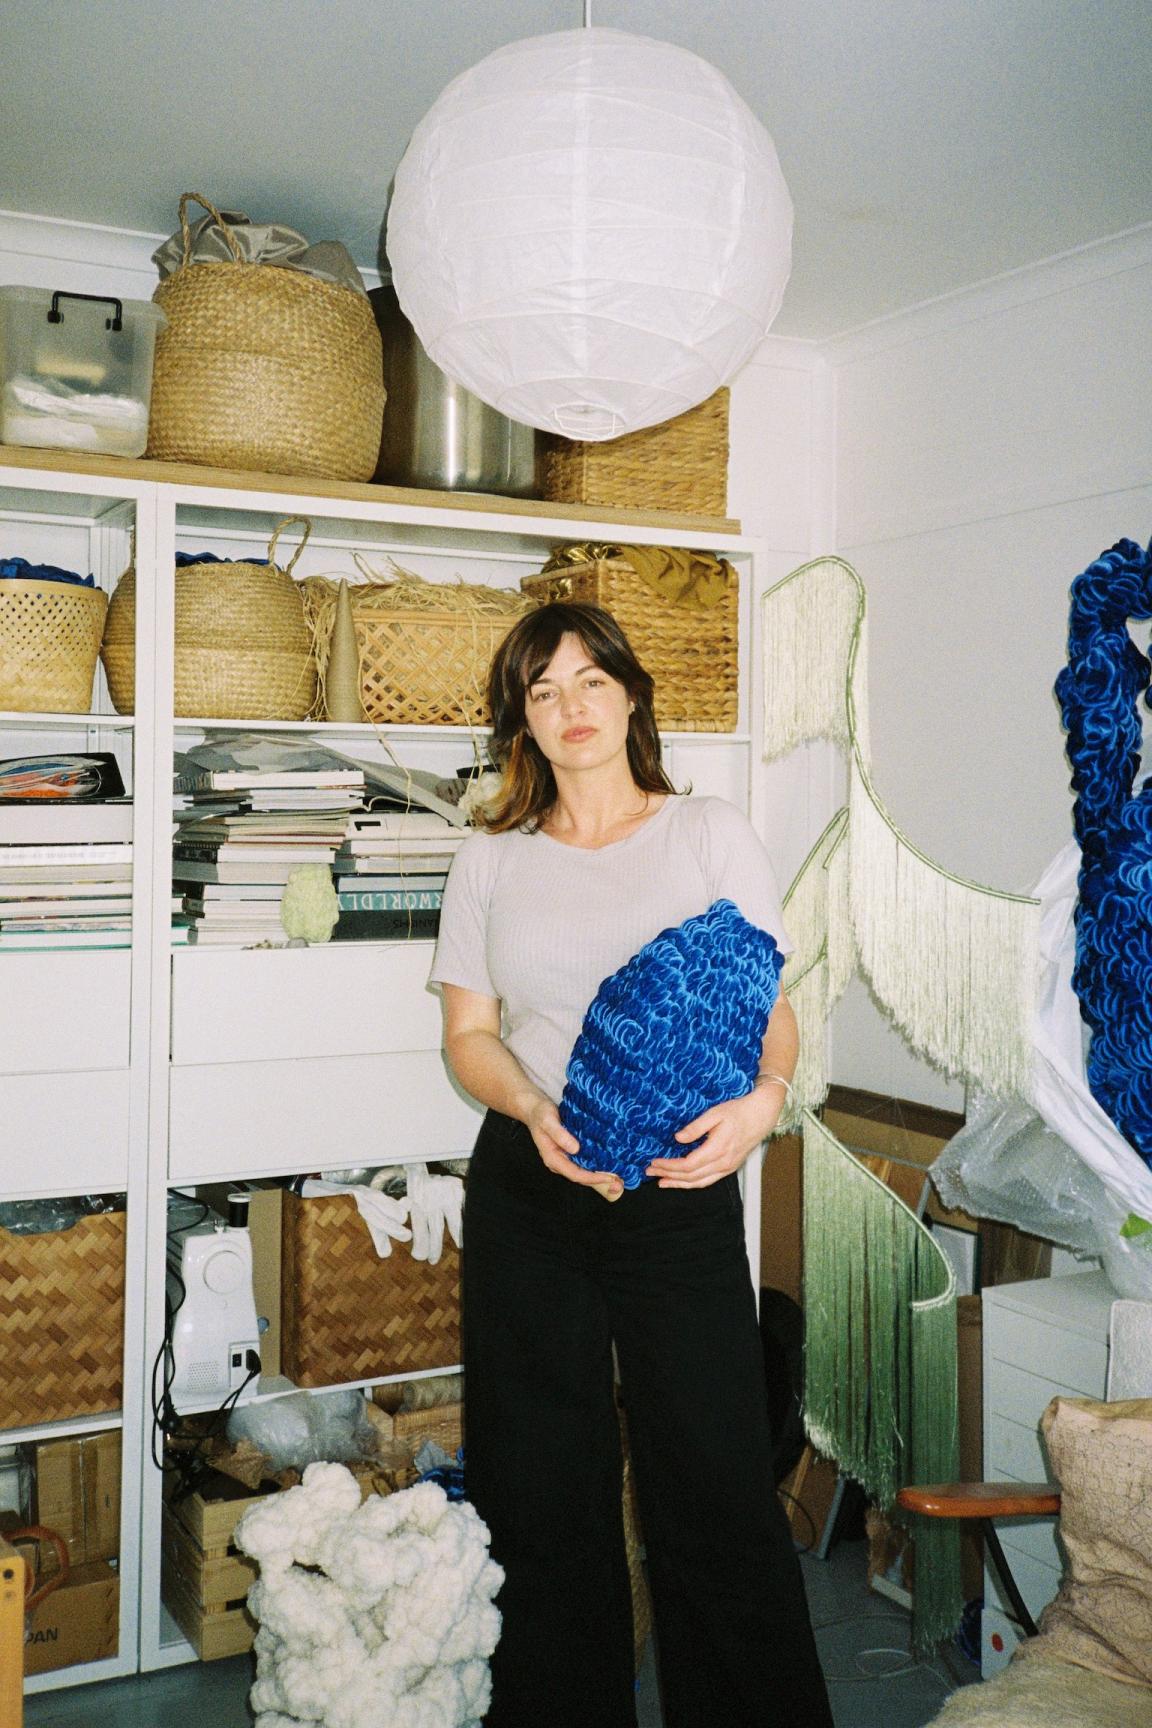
x=150 y=1068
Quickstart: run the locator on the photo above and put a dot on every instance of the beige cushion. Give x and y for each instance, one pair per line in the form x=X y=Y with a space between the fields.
x=1102 y=1616
x=1045 y=1692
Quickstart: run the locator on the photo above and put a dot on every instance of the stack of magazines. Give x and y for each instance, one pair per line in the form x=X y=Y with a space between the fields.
x=239 y=835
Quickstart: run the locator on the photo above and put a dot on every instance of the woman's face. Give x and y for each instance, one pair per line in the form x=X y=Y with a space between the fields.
x=576 y=712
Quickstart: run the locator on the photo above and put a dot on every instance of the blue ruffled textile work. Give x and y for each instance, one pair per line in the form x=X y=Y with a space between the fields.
x=676 y=1030
x=1099 y=693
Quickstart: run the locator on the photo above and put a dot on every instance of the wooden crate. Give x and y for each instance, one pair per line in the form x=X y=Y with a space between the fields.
x=204 y=1577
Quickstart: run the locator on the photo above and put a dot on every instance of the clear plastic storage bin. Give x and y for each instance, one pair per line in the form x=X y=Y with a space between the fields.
x=76 y=370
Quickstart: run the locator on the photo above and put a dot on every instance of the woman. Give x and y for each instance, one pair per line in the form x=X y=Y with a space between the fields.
x=589 y=854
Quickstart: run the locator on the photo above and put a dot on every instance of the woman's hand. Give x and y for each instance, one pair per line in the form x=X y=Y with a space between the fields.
x=730 y=1132
x=557 y=1148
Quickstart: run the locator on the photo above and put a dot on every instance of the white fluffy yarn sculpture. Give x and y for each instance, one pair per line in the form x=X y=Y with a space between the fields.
x=370 y=1613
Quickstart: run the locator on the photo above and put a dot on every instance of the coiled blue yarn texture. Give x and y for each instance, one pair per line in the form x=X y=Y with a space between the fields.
x=1099 y=693
x=676 y=1030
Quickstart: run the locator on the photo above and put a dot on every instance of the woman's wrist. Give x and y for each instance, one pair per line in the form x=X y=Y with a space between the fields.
x=777 y=1082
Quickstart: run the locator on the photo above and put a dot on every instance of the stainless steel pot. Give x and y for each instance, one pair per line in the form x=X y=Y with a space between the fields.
x=438 y=434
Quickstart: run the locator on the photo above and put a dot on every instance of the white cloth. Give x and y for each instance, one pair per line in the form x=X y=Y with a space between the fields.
x=385 y=1218
x=540 y=925
x=433 y=1202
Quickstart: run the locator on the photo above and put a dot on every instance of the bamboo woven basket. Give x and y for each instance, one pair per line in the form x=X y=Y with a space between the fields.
x=62 y=1321
x=682 y=464
x=693 y=656
x=261 y=367
x=49 y=640
x=424 y=647
x=349 y=1315
x=243 y=648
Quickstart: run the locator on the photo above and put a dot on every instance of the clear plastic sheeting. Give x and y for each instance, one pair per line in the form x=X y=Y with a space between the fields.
x=1053 y=1163
x=305 y=1428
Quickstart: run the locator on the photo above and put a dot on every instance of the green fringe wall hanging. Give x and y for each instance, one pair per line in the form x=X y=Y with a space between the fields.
x=880 y=1357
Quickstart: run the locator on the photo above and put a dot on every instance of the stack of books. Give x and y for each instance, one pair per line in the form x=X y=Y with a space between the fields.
x=239 y=835
x=65 y=854
x=391 y=871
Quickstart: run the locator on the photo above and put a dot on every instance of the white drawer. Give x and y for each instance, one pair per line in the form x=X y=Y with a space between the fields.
x=1013 y=1392
x=1037 y=1583
x=64 y=1010
x=1081 y=1363
x=1013 y=1450
x=68 y=1132
x=265 y=1118
x=347 y=999
x=1034 y=1538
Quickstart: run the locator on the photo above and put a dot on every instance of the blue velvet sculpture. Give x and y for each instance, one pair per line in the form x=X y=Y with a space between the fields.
x=1099 y=692
x=676 y=1030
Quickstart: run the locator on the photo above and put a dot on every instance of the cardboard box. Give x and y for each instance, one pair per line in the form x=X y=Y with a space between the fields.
x=79 y=1622
x=264 y=1224
x=78 y=1493
x=781 y=1218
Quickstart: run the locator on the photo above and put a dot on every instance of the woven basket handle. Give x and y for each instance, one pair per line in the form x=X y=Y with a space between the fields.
x=41 y=1534
x=187 y=198
x=279 y=529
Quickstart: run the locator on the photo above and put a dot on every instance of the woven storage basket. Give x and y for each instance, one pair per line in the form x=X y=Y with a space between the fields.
x=62 y=1321
x=261 y=367
x=443 y=1424
x=243 y=646
x=692 y=655
x=347 y=1314
x=425 y=647
x=49 y=640
x=681 y=464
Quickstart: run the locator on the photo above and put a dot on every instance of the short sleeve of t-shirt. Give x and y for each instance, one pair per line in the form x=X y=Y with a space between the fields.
x=461 y=947
x=737 y=866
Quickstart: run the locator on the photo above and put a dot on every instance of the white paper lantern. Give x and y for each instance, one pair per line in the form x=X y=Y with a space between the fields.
x=590 y=231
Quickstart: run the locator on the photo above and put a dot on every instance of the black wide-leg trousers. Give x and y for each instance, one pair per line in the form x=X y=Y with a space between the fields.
x=553 y=1277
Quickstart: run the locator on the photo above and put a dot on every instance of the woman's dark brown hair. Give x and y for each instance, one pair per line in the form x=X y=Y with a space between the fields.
x=529 y=789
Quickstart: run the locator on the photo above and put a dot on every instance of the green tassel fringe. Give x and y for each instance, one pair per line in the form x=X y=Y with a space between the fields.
x=880 y=1356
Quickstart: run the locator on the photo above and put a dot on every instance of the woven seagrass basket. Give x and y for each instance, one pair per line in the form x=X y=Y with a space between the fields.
x=349 y=1315
x=443 y=1424
x=682 y=464
x=693 y=655
x=49 y=640
x=243 y=648
x=261 y=367
x=62 y=1321
x=424 y=647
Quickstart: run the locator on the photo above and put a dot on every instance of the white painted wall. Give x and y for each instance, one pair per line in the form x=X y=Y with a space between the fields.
x=986 y=449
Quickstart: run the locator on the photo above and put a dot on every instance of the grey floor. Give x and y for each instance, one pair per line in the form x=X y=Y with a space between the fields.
x=863 y=1640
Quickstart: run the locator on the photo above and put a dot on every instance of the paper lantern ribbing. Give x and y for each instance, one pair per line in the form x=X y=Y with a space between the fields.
x=590 y=231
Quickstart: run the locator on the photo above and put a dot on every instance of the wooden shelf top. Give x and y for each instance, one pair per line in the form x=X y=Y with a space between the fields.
x=77 y=462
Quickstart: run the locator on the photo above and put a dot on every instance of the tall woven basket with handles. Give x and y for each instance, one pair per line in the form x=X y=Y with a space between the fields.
x=49 y=639
x=243 y=647
x=266 y=368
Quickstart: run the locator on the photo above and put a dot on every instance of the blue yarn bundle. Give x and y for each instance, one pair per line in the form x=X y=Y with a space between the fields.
x=1099 y=692
x=676 y=1030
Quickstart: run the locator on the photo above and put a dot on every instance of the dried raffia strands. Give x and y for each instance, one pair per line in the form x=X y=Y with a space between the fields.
x=425 y=647
x=264 y=368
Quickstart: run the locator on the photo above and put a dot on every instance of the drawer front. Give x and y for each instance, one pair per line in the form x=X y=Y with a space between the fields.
x=64 y=1011
x=328 y=1113
x=1037 y=1584
x=1079 y=1363
x=1014 y=1451
x=1033 y=1537
x=347 y=999
x=69 y=1133
x=1023 y=1397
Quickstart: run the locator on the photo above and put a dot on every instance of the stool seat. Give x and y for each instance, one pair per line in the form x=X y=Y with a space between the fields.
x=980 y=1499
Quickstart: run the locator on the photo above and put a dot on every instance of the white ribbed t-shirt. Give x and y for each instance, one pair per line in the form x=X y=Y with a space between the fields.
x=540 y=925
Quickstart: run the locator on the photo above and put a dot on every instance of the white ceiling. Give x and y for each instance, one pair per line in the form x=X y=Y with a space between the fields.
x=928 y=144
